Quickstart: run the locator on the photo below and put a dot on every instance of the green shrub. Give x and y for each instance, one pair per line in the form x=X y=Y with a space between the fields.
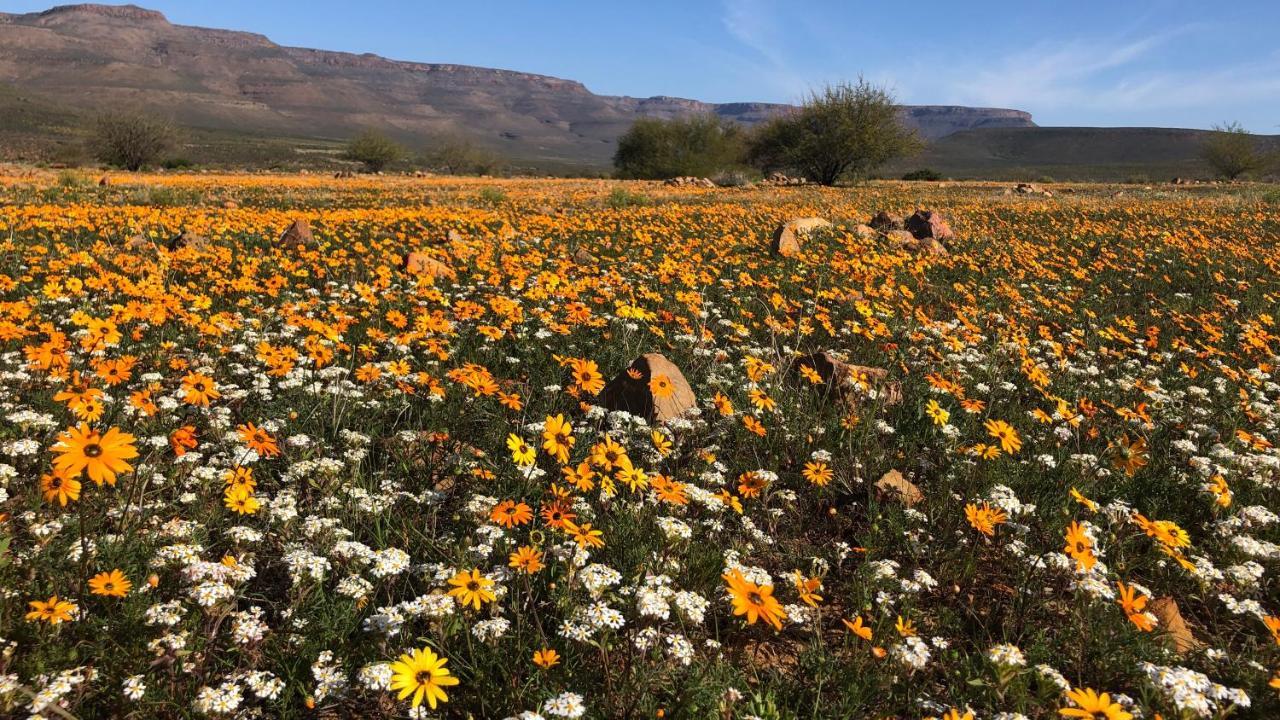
x=700 y=146
x=493 y=195
x=373 y=150
x=845 y=131
x=130 y=141
x=623 y=198
x=923 y=174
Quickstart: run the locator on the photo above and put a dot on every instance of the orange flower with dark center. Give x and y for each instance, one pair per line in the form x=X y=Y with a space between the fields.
x=754 y=601
x=110 y=584
x=258 y=440
x=101 y=456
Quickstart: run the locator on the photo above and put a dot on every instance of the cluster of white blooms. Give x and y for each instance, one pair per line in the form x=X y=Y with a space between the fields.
x=222 y=700
x=1194 y=693
x=565 y=705
x=58 y=686
x=911 y=652
x=1006 y=655
x=329 y=677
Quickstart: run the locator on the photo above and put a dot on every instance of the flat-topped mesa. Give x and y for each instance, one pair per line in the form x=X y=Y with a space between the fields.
x=123 y=12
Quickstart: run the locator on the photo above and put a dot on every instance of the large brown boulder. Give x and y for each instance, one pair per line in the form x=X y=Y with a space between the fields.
x=842 y=380
x=425 y=266
x=928 y=224
x=652 y=387
x=886 y=222
x=298 y=234
x=789 y=235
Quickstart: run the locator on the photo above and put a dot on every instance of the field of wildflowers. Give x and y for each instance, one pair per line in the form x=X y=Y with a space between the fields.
x=243 y=476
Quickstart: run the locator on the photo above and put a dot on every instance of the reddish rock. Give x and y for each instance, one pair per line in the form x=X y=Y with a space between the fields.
x=298 y=234
x=928 y=224
x=1172 y=627
x=632 y=390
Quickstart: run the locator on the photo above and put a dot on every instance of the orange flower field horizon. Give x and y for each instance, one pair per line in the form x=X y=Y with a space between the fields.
x=516 y=448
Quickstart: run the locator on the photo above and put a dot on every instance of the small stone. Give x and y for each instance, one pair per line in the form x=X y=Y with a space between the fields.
x=893 y=486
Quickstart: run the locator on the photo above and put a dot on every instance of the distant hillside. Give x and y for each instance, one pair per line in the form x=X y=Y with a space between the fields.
x=1069 y=153
x=70 y=62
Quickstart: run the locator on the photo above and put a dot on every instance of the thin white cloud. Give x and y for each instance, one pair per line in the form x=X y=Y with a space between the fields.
x=1109 y=78
x=756 y=25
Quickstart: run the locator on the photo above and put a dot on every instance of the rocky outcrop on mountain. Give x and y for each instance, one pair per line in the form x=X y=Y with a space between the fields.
x=86 y=57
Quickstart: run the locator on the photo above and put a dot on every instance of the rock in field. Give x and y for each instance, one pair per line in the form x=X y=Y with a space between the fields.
x=652 y=387
x=1172 y=626
x=423 y=265
x=298 y=234
x=892 y=486
x=886 y=222
x=844 y=381
x=187 y=239
x=928 y=224
x=789 y=235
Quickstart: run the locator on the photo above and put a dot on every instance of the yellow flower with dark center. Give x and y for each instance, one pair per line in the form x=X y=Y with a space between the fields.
x=526 y=559
x=1134 y=606
x=422 y=675
x=471 y=588
x=661 y=386
x=818 y=473
x=557 y=438
x=1092 y=706
x=52 y=611
x=546 y=658
x=199 y=389
x=1079 y=547
x=240 y=499
x=509 y=513
x=522 y=453
x=985 y=518
x=1010 y=443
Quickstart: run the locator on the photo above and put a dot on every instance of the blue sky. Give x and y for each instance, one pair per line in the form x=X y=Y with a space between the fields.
x=1185 y=63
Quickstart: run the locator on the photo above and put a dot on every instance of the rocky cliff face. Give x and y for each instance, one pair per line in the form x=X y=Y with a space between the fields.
x=90 y=57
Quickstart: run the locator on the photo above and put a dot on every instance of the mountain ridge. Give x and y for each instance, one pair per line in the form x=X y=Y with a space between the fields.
x=87 y=57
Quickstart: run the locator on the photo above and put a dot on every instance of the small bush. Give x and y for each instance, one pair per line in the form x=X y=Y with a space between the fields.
x=178 y=163
x=732 y=178
x=460 y=156
x=624 y=198
x=698 y=146
x=844 y=131
x=1233 y=152
x=923 y=174
x=73 y=180
x=373 y=150
x=493 y=195
x=131 y=141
